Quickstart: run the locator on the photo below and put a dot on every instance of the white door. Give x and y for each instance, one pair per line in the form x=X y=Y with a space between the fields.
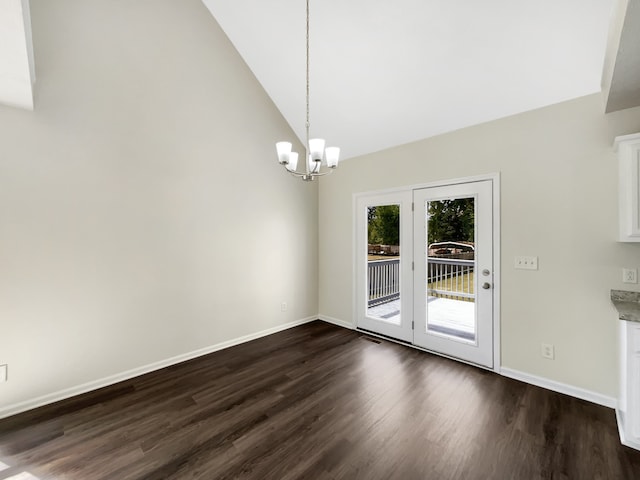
x=384 y=278
x=424 y=268
x=453 y=276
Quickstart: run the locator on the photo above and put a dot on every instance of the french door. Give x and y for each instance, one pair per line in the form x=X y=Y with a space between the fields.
x=384 y=264
x=453 y=277
x=425 y=268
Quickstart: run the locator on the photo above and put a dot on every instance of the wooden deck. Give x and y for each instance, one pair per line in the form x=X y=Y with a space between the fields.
x=452 y=317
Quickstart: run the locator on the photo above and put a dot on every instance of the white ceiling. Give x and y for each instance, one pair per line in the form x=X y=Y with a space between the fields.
x=17 y=73
x=386 y=73
x=621 y=76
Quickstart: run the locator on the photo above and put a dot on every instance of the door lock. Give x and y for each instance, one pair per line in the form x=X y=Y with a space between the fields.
x=486 y=285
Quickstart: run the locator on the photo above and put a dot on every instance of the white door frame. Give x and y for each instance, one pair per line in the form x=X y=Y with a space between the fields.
x=495 y=178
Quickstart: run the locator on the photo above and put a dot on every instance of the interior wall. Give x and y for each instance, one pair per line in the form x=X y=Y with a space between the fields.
x=143 y=214
x=559 y=202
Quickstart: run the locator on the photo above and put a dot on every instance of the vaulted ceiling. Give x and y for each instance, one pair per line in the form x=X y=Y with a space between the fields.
x=17 y=73
x=387 y=73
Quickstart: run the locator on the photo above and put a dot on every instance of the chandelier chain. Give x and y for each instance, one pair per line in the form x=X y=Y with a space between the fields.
x=308 y=123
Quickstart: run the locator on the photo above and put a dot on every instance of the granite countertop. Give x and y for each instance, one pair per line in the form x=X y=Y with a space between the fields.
x=627 y=304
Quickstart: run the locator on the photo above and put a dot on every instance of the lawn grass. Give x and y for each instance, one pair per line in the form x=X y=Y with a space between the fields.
x=371 y=257
x=461 y=283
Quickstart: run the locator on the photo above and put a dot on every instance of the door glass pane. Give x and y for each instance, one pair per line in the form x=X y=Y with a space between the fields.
x=383 y=263
x=451 y=256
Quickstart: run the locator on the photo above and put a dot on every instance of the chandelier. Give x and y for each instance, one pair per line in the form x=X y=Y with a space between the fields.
x=315 y=149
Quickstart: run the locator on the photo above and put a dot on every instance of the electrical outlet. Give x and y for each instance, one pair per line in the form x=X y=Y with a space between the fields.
x=283 y=307
x=526 y=263
x=629 y=275
x=3 y=373
x=547 y=350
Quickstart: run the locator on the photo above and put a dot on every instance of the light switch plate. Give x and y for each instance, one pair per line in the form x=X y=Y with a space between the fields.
x=629 y=275
x=3 y=373
x=526 y=263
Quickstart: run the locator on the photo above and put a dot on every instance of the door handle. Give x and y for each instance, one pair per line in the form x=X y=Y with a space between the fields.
x=486 y=285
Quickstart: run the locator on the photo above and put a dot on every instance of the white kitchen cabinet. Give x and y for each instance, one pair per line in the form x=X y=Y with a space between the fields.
x=628 y=149
x=629 y=402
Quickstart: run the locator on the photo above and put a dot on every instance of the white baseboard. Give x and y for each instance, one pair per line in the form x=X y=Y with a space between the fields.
x=338 y=322
x=570 y=390
x=112 y=379
x=119 y=377
x=623 y=439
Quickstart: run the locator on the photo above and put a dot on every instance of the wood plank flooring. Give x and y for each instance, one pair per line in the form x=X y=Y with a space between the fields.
x=317 y=402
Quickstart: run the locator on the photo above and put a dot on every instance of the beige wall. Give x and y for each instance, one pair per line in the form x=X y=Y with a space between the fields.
x=142 y=211
x=559 y=202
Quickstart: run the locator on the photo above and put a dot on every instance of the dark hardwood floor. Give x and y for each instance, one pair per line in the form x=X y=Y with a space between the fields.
x=317 y=402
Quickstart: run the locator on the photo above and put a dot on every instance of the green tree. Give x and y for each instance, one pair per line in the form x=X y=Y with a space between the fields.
x=451 y=220
x=384 y=225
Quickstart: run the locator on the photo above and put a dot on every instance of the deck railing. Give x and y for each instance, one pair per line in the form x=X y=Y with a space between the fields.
x=451 y=278
x=446 y=278
x=384 y=281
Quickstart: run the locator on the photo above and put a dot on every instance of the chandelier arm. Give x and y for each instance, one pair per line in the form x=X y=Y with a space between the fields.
x=296 y=174
x=310 y=174
x=322 y=174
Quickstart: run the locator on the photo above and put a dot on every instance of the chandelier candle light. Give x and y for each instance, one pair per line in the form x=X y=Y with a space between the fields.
x=315 y=150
